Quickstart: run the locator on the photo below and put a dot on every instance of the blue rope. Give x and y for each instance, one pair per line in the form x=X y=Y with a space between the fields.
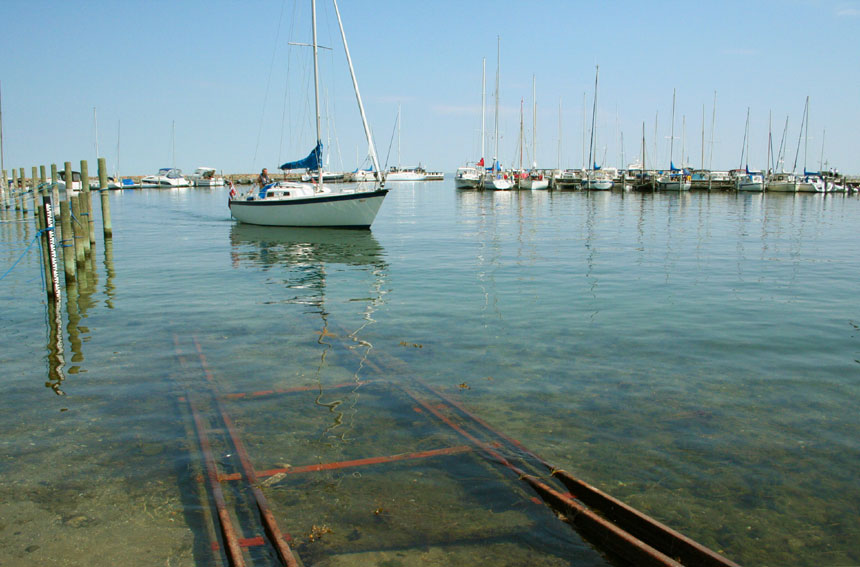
x=21 y=257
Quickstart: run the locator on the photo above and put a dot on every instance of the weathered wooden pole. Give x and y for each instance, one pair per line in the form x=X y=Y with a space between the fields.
x=89 y=196
x=22 y=202
x=49 y=248
x=103 y=189
x=37 y=206
x=84 y=197
x=75 y=212
x=55 y=189
x=68 y=242
x=42 y=178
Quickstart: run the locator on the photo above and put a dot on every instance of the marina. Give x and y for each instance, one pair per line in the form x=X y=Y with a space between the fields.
x=538 y=346
x=689 y=354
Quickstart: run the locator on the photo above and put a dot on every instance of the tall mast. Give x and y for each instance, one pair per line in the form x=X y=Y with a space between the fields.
x=821 y=158
x=744 y=145
x=367 y=133
x=398 y=136
x=559 y=132
x=672 y=136
x=806 y=135
x=483 y=101
x=584 y=164
x=769 y=145
x=496 y=126
x=703 y=136
x=593 y=118
x=713 y=124
x=2 y=159
x=800 y=136
x=534 y=122
x=316 y=87
x=521 y=132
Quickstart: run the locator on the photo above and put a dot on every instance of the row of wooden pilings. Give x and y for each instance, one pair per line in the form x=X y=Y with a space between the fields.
x=76 y=234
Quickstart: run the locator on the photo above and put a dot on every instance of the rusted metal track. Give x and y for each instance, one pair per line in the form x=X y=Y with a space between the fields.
x=606 y=521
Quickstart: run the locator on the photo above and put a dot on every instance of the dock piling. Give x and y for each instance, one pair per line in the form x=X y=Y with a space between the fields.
x=103 y=190
x=86 y=217
x=67 y=243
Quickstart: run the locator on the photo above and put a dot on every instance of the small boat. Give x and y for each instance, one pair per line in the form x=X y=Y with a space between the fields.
x=750 y=181
x=675 y=180
x=298 y=204
x=534 y=180
x=405 y=174
x=782 y=182
x=467 y=177
x=166 y=177
x=205 y=177
x=811 y=183
x=74 y=185
x=569 y=179
x=594 y=179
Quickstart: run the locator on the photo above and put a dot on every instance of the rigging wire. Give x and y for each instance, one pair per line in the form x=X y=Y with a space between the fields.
x=268 y=82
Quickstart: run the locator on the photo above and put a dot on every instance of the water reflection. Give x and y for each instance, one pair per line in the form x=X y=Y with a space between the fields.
x=313 y=260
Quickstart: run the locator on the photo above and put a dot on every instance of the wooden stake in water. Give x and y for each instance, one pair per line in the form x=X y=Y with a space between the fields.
x=34 y=184
x=50 y=247
x=4 y=190
x=21 y=199
x=67 y=243
x=84 y=197
x=103 y=189
x=85 y=176
x=42 y=178
x=55 y=189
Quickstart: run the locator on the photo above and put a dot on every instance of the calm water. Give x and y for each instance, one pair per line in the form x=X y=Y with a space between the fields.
x=697 y=356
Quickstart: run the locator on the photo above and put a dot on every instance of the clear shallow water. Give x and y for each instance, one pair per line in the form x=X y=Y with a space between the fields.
x=694 y=355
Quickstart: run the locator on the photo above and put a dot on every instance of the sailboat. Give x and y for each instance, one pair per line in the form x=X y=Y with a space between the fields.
x=594 y=179
x=494 y=179
x=676 y=179
x=811 y=182
x=534 y=179
x=314 y=204
x=747 y=180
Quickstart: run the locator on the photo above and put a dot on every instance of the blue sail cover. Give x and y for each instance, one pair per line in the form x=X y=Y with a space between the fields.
x=672 y=166
x=313 y=160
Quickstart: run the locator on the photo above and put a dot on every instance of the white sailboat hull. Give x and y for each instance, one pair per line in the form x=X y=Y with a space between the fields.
x=493 y=183
x=534 y=184
x=344 y=210
x=782 y=186
x=596 y=184
x=673 y=185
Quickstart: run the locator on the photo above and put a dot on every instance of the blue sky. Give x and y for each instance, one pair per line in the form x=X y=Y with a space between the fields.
x=221 y=74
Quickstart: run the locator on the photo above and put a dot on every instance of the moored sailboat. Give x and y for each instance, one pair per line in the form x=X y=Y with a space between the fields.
x=290 y=203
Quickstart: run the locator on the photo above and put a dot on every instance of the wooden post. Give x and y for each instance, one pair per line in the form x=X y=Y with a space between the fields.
x=90 y=217
x=75 y=216
x=49 y=247
x=68 y=242
x=4 y=190
x=42 y=178
x=21 y=200
x=79 y=224
x=37 y=206
x=55 y=189
x=103 y=189
x=84 y=197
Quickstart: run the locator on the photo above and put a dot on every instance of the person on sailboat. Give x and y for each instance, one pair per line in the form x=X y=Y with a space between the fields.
x=263 y=178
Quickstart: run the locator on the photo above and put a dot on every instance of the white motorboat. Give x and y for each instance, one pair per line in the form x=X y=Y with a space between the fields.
x=290 y=203
x=406 y=174
x=467 y=177
x=596 y=184
x=206 y=177
x=166 y=177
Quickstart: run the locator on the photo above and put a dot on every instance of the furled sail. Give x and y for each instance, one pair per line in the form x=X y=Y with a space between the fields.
x=311 y=162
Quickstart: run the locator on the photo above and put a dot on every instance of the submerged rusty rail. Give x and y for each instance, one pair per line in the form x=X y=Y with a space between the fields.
x=609 y=524
x=233 y=543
